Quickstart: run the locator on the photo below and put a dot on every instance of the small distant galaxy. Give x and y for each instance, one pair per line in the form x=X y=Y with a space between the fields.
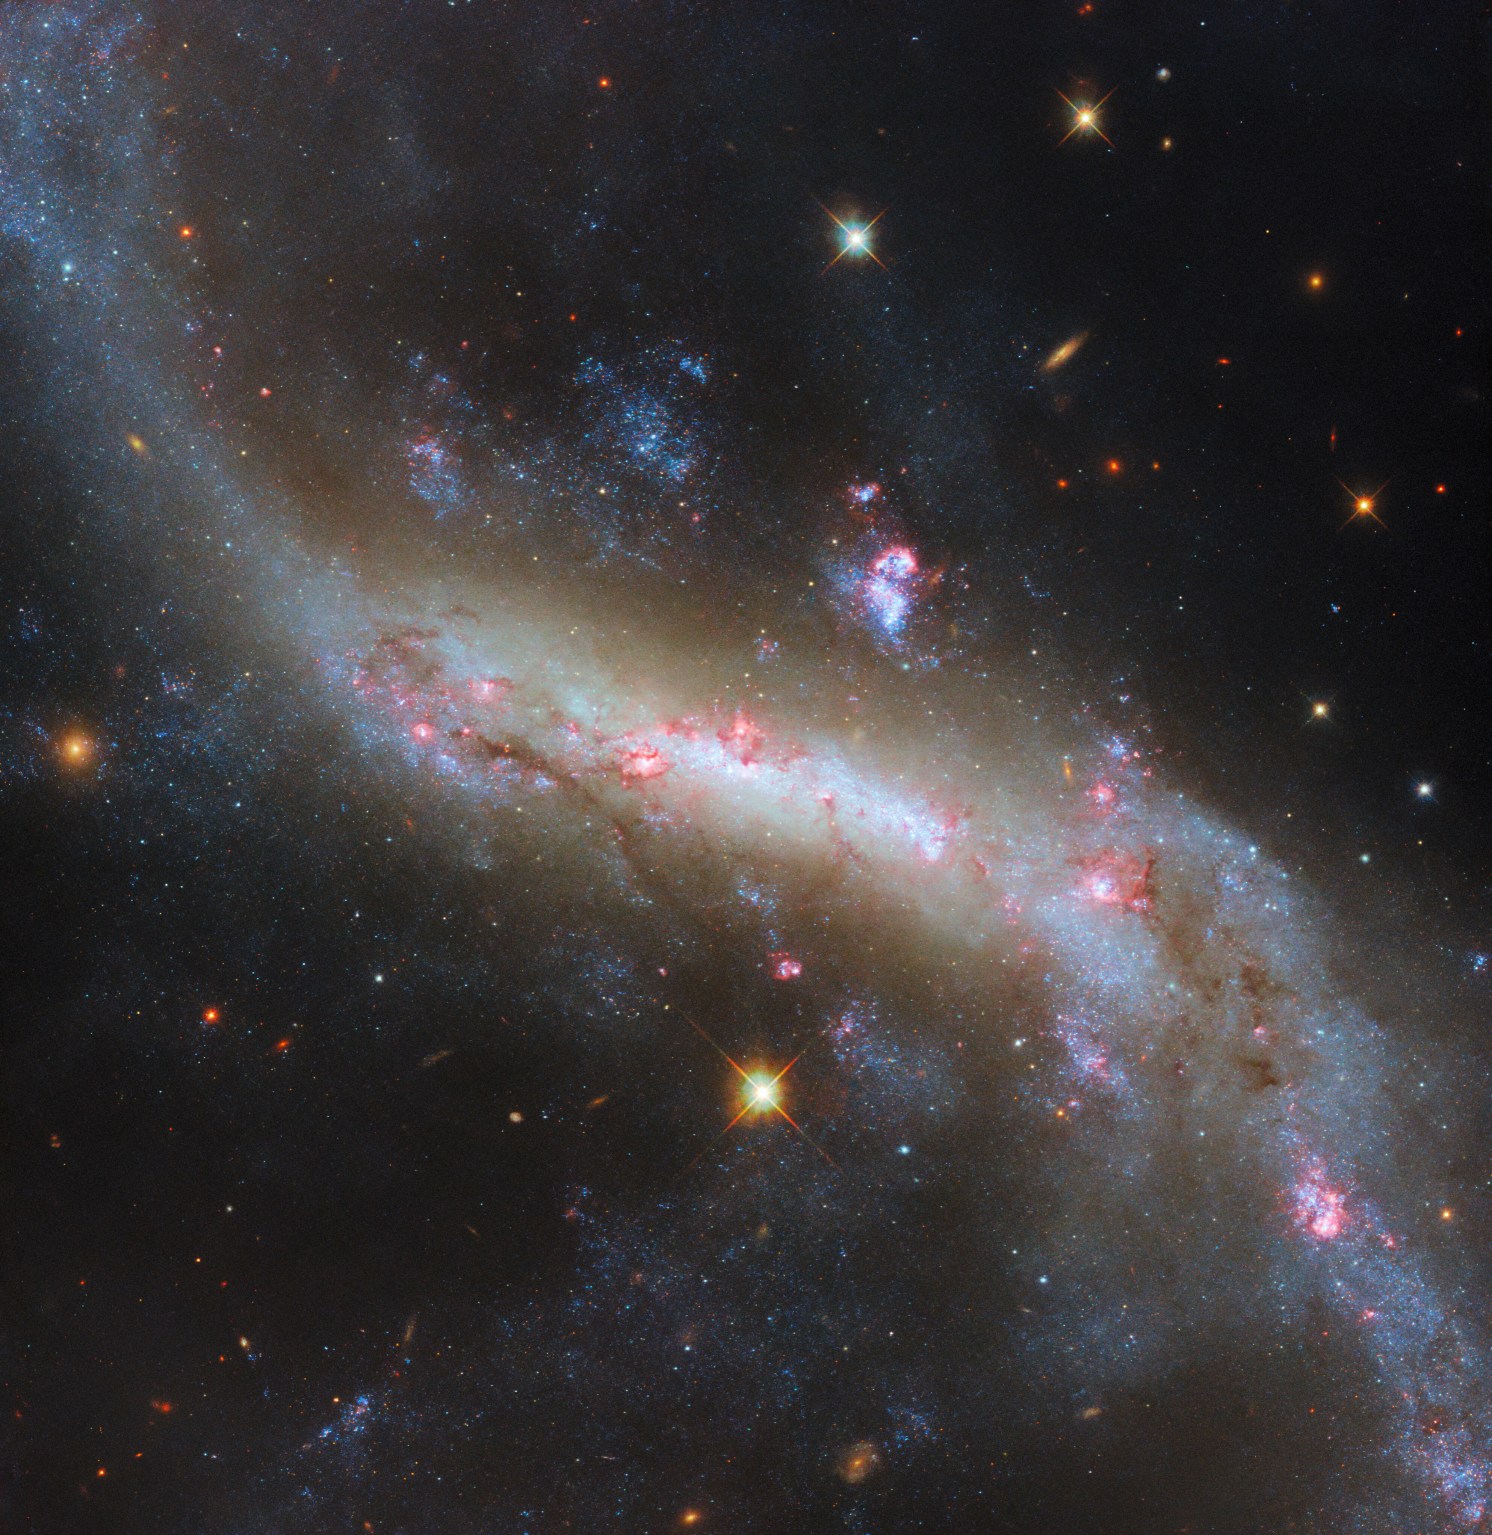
x=747 y=770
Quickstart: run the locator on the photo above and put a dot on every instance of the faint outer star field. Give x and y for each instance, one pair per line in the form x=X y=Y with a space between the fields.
x=746 y=769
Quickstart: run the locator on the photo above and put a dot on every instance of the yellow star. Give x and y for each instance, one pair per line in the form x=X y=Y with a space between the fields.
x=1085 y=120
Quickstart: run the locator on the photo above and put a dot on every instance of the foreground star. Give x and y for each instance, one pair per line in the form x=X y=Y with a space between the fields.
x=761 y=1093
x=856 y=239
x=1085 y=120
x=1364 y=506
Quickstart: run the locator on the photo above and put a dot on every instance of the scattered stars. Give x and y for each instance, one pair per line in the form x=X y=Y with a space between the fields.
x=663 y=797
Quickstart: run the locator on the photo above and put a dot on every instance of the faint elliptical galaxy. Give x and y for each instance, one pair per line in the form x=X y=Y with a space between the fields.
x=666 y=897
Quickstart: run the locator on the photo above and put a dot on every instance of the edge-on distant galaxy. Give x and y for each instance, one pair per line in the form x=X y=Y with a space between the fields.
x=747 y=762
